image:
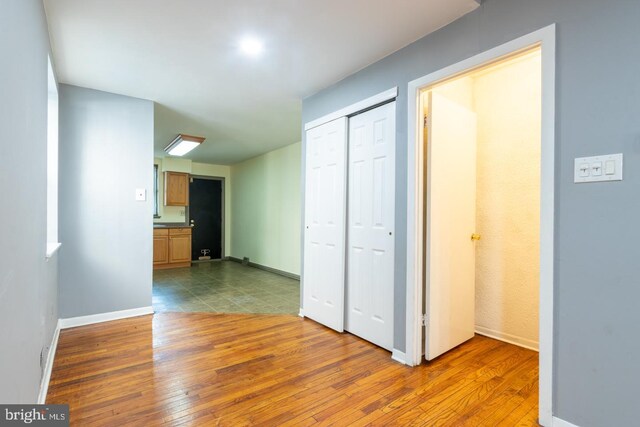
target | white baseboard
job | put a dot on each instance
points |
(399, 356)
(72, 322)
(301, 313)
(48, 367)
(557, 422)
(511, 339)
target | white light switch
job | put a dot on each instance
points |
(610, 167)
(598, 168)
(141, 194)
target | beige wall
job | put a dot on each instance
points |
(176, 214)
(266, 209)
(508, 103)
(460, 90)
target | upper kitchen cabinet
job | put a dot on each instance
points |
(176, 189)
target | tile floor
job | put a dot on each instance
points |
(224, 287)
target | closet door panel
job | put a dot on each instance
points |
(371, 220)
(323, 270)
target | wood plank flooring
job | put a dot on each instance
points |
(213, 369)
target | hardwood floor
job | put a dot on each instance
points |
(278, 370)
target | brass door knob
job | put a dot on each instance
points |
(475, 236)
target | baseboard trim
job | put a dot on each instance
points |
(301, 313)
(511, 339)
(265, 268)
(399, 356)
(73, 322)
(48, 367)
(558, 422)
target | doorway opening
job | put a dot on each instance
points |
(482, 133)
(419, 209)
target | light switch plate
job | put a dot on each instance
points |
(598, 168)
(141, 194)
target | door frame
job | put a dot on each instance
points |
(222, 195)
(545, 39)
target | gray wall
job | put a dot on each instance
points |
(596, 282)
(106, 152)
(28, 283)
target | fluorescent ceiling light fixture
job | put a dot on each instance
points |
(182, 144)
(251, 46)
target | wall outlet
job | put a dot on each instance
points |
(182, 212)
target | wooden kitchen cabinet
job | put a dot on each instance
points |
(160, 246)
(176, 189)
(171, 247)
(179, 245)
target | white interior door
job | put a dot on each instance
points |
(325, 216)
(370, 234)
(451, 220)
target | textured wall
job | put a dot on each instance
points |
(266, 209)
(28, 283)
(507, 103)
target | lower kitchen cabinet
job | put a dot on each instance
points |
(160, 247)
(171, 247)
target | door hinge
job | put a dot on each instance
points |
(423, 320)
(426, 121)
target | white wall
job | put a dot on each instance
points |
(508, 106)
(106, 255)
(28, 283)
(266, 209)
(176, 214)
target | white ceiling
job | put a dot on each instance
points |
(183, 54)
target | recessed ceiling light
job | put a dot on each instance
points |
(251, 46)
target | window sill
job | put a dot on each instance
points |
(52, 248)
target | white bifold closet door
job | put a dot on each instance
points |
(325, 216)
(371, 220)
